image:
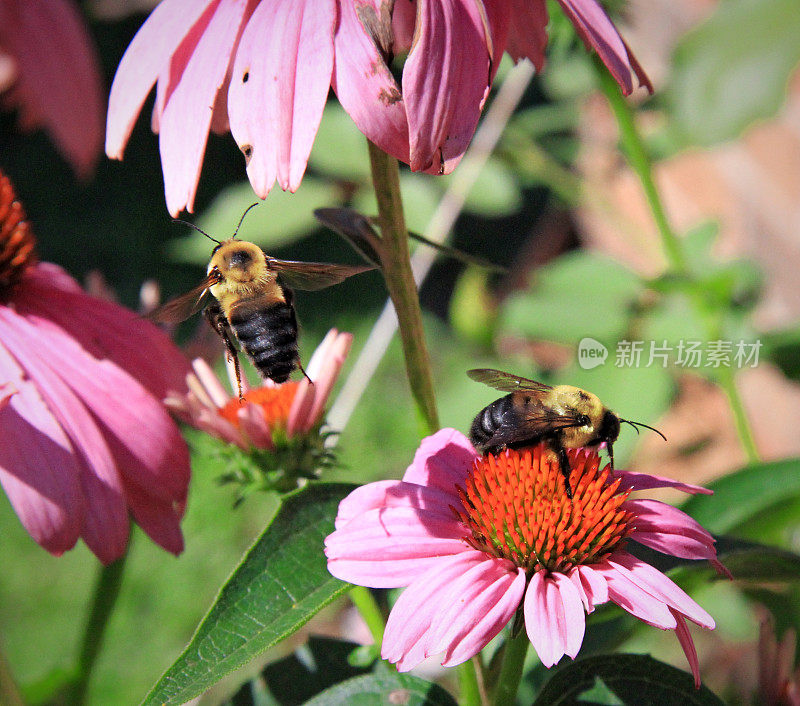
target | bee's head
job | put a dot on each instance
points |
(609, 427)
(238, 260)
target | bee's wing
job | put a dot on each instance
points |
(506, 382)
(313, 275)
(540, 422)
(184, 306)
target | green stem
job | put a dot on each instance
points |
(396, 262)
(470, 690)
(366, 604)
(639, 159)
(728, 383)
(105, 597)
(516, 649)
(9, 691)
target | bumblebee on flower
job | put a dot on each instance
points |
(475, 538)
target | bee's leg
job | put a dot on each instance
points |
(610, 448)
(219, 323)
(563, 462)
(303, 370)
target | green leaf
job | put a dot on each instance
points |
(733, 69)
(280, 584)
(310, 669)
(783, 348)
(632, 679)
(579, 295)
(388, 688)
(740, 496)
(280, 220)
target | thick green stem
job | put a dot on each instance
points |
(469, 686)
(639, 159)
(105, 598)
(516, 649)
(396, 261)
(369, 609)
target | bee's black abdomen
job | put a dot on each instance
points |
(489, 420)
(269, 337)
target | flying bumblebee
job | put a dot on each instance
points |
(250, 299)
(563, 417)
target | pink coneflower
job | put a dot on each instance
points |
(263, 68)
(84, 438)
(282, 420)
(475, 538)
(49, 72)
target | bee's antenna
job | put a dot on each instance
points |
(636, 426)
(252, 205)
(199, 230)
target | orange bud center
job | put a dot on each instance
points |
(516, 506)
(17, 244)
(275, 401)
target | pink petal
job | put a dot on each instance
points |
(685, 638)
(676, 545)
(279, 87)
(591, 586)
(554, 618)
(483, 606)
(145, 58)
(58, 75)
(393, 493)
(528, 32)
(636, 601)
(325, 378)
(645, 481)
(667, 529)
(38, 468)
(160, 519)
(404, 18)
(598, 31)
(253, 422)
(159, 457)
(445, 81)
(196, 73)
(443, 460)
(105, 528)
(408, 636)
(365, 86)
(104, 329)
(650, 579)
(389, 547)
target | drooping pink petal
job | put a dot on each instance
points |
(527, 37)
(484, 607)
(650, 579)
(364, 84)
(554, 618)
(404, 18)
(685, 638)
(58, 81)
(160, 519)
(283, 66)
(635, 600)
(104, 329)
(443, 106)
(598, 31)
(145, 58)
(390, 547)
(393, 493)
(123, 408)
(253, 423)
(645, 481)
(669, 530)
(39, 471)
(442, 461)
(591, 587)
(408, 637)
(197, 71)
(105, 528)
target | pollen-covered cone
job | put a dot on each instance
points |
(84, 438)
(277, 426)
(474, 538)
(263, 69)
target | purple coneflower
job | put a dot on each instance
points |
(475, 538)
(84, 438)
(263, 68)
